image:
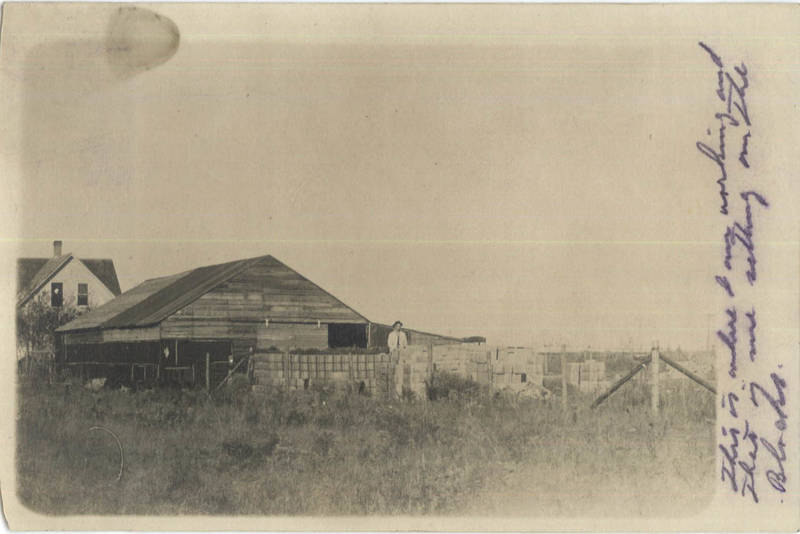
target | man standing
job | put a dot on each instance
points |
(398, 342)
(397, 338)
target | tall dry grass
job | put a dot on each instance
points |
(326, 452)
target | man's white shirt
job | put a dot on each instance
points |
(397, 340)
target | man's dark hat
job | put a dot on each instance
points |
(397, 323)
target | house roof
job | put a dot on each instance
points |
(32, 273)
(45, 273)
(27, 269)
(104, 270)
(156, 299)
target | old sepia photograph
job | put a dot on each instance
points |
(400, 266)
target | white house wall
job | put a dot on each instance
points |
(70, 276)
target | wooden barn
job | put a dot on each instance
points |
(177, 326)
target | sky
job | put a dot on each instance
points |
(497, 173)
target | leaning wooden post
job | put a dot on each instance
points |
(654, 364)
(619, 383)
(208, 371)
(688, 373)
(564, 377)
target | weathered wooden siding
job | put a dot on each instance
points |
(237, 310)
(126, 335)
(268, 290)
(292, 336)
(204, 328)
(75, 338)
(129, 335)
(247, 334)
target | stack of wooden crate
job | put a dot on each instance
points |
(588, 376)
(466, 360)
(364, 372)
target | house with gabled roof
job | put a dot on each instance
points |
(65, 280)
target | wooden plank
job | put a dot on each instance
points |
(81, 338)
(270, 289)
(131, 334)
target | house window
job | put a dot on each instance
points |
(56, 294)
(524, 378)
(83, 294)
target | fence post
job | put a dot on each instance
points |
(288, 356)
(654, 364)
(208, 372)
(564, 377)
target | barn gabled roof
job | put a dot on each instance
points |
(97, 317)
(154, 300)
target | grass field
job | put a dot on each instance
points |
(319, 452)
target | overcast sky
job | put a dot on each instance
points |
(502, 174)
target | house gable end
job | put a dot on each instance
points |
(70, 273)
(51, 267)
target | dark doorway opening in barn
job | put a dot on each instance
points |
(347, 335)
